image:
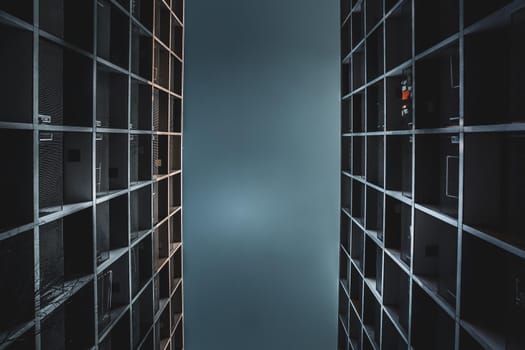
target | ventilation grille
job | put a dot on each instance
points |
(50, 171)
(156, 110)
(50, 88)
(157, 160)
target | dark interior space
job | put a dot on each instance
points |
(90, 145)
(432, 171)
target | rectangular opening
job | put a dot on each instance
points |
(65, 86)
(372, 318)
(78, 244)
(112, 227)
(161, 66)
(16, 69)
(498, 97)
(399, 35)
(140, 212)
(64, 170)
(399, 97)
(357, 249)
(438, 86)
(51, 170)
(356, 289)
(112, 292)
(112, 98)
(346, 115)
(141, 268)
(358, 112)
(18, 295)
(375, 159)
(358, 68)
(175, 153)
(65, 255)
(156, 284)
(374, 13)
(160, 201)
(432, 328)
(71, 21)
(375, 53)
(176, 308)
(140, 158)
(175, 192)
(142, 317)
(52, 274)
(344, 275)
(435, 21)
(162, 22)
(111, 165)
(345, 232)
(160, 110)
(17, 178)
(141, 47)
(160, 155)
(358, 202)
(396, 296)
(177, 38)
(437, 173)
(374, 212)
(141, 105)
(358, 159)
(176, 270)
(176, 114)
(346, 154)
(164, 291)
(175, 231)
(375, 112)
(346, 79)
(435, 256)
(346, 38)
(398, 232)
(161, 247)
(346, 193)
(374, 265)
(112, 34)
(494, 202)
(399, 165)
(176, 75)
(161, 288)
